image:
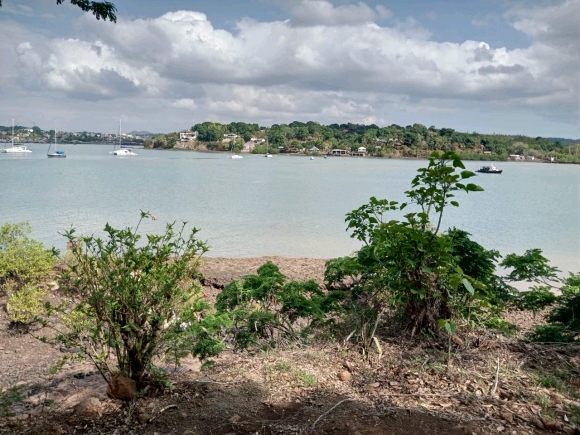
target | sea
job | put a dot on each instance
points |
(281, 206)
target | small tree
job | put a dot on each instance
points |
(138, 301)
(408, 265)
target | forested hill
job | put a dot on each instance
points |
(392, 141)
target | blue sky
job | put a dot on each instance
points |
(489, 66)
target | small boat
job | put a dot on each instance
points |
(311, 158)
(15, 148)
(122, 150)
(235, 156)
(267, 149)
(56, 154)
(489, 170)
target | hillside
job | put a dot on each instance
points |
(414, 140)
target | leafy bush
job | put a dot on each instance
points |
(408, 266)
(10, 397)
(137, 301)
(24, 263)
(23, 259)
(265, 308)
(564, 317)
(25, 305)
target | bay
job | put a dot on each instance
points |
(285, 205)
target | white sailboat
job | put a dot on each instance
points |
(121, 151)
(56, 153)
(234, 156)
(267, 149)
(15, 148)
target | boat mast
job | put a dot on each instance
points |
(119, 133)
(12, 132)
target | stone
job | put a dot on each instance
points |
(235, 418)
(143, 417)
(507, 416)
(538, 423)
(375, 385)
(345, 376)
(89, 406)
(122, 387)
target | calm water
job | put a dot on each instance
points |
(289, 206)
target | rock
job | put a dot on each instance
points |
(569, 430)
(143, 418)
(345, 376)
(457, 340)
(235, 418)
(122, 387)
(507, 416)
(375, 385)
(538, 423)
(394, 383)
(348, 365)
(500, 428)
(552, 425)
(90, 406)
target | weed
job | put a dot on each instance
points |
(283, 367)
(543, 400)
(308, 380)
(10, 397)
(549, 380)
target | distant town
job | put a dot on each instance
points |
(37, 135)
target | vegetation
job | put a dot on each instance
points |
(392, 141)
(138, 301)
(265, 309)
(24, 264)
(101, 10)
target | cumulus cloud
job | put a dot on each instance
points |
(323, 12)
(334, 62)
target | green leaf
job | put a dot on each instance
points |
(468, 286)
(454, 203)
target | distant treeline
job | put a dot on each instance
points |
(414, 140)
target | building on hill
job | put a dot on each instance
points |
(338, 152)
(187, 136)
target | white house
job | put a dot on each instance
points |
(187, 136)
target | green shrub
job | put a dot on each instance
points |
(24, 264)
(137, 301)
(264, 308)
(564, 317)
(25, 305)
(407, 265)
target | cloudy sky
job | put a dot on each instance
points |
(486, 65)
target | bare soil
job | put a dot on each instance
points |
(492, 384)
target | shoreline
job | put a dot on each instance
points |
(359, 157)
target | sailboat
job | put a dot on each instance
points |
(267, 149)
(56, 154)
(121, 151)
(15, 148)
(235, 156)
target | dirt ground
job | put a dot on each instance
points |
(489, 387)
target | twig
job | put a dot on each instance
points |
(161, 412)
(348, 399)
(496, 379)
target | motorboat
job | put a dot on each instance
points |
(236, 156)
(311, 158)
(489, 170)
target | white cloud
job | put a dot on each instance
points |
(323, 12)
(184, 103)
(327, 62)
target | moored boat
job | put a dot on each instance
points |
(489, 170)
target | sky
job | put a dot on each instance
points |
(491, 66)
